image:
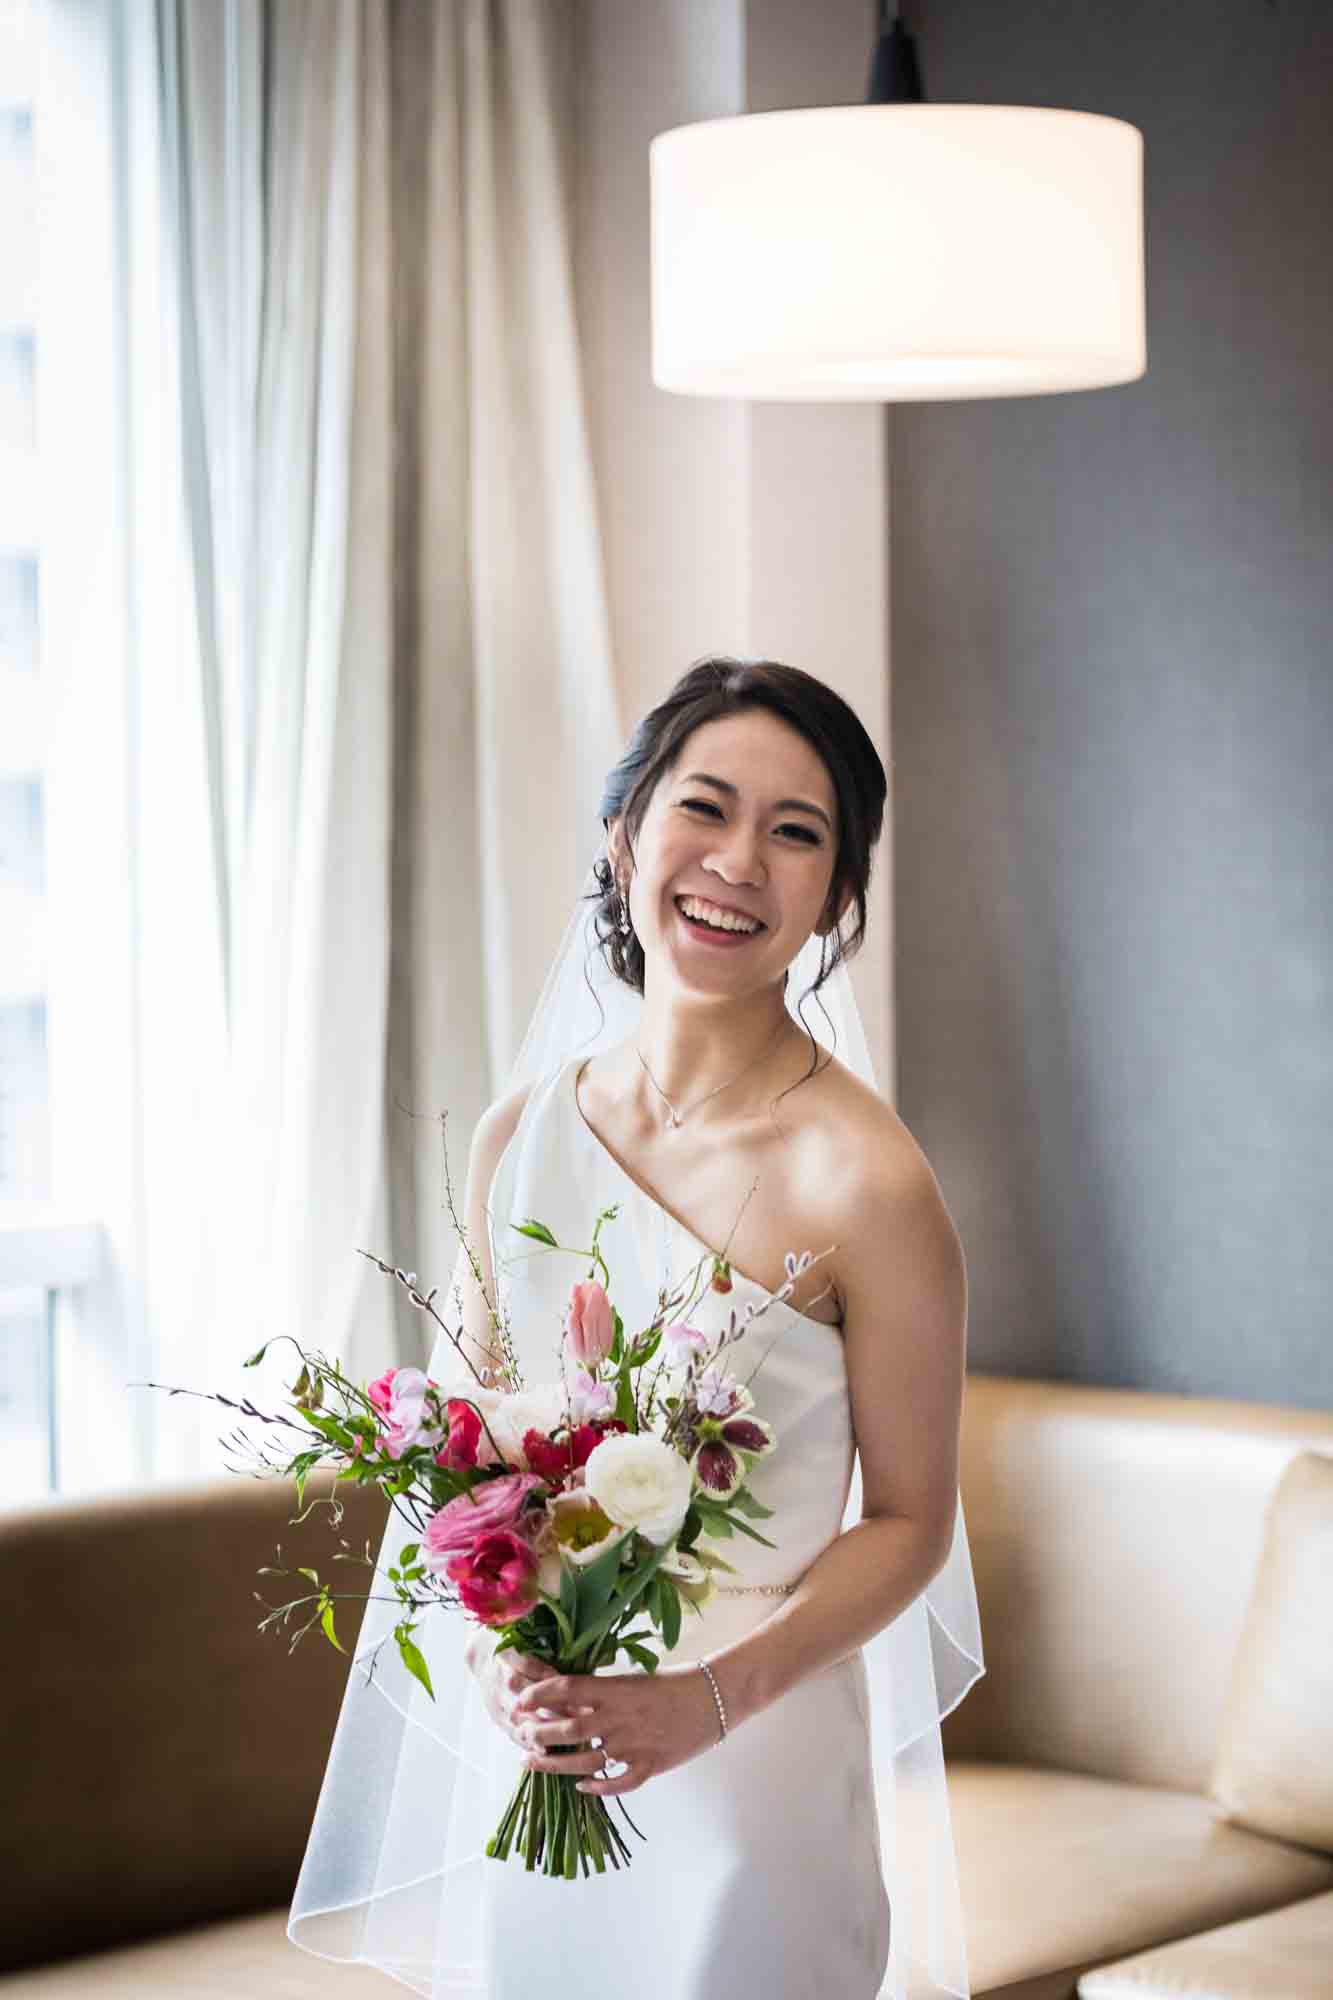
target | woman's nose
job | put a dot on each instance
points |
(735, 855)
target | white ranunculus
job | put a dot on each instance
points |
(641, 1483)
(509, 1416)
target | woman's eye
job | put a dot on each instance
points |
(789, 826)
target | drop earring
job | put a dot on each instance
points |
(623, 924)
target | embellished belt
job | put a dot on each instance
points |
(757, 1589)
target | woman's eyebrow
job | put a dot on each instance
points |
(779, 805)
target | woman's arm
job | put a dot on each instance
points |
(491, 1135)
(902, 1275)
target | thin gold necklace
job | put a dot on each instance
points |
(675, 1117)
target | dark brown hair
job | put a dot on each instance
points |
(721, 685)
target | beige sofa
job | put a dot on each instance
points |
(1149, 1569)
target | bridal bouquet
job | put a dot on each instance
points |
(560, 1514)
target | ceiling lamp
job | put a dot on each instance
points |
(897, 251)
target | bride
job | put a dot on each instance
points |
(783, 1762)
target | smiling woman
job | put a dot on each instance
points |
(784, 1758)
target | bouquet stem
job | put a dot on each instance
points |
(557, 1828)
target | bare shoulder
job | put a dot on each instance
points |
(902, 1278)
(498, 1124)
(880, 1200)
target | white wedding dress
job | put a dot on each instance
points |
(769, 1863)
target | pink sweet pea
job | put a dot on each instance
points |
(400, 1397)
(496, 1578)
(460, 1523)
(590, 1326)
(381, 1390)
(682, 1340)
(589, 1399)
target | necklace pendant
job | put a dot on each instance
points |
(672, 1118)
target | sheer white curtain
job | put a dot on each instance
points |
(373, 690)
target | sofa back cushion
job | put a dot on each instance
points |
(1114, 1536)
(163, 1756)
(1274, 1765)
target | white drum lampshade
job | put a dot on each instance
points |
(897, 253)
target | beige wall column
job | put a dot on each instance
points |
(729, 526)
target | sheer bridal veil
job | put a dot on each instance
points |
(413, 1788)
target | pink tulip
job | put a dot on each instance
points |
(590, 1327)
(496, 1579)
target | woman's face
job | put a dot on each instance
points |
(760, 838)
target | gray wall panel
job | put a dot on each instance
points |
(1112, 717)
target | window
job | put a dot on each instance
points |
(26, 1309)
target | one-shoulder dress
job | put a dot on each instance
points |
(762, 1868)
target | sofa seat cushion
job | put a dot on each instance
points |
(1287, 1952)
(1060, 1872)
(214, 1961)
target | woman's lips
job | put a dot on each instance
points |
(726, 940)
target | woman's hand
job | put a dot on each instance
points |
(652, 1722)
(503, 1677)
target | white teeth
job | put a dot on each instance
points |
(718, 920)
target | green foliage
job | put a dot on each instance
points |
(537, 1231)
(644, 1348)
(598, 1580)
(626, 1595)
(669, 1598)
(562, 1620)
(412, 1657)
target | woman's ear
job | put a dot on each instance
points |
(615, 848)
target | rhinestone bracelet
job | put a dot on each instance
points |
(717, 1698)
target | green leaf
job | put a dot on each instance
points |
(753, 1533)
(641, 1654)
(625, 1396)
(313, 1574)
(627, 1594)
(712, 1560)
(332, 1428)
(557, 1611)
(644, 1348)
(536, 1230)
(598, 1580)
(408, 1553)
(670, 1598)
(743, 1499)
(326, 1620)
(569, 1591)
(413, 1661)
